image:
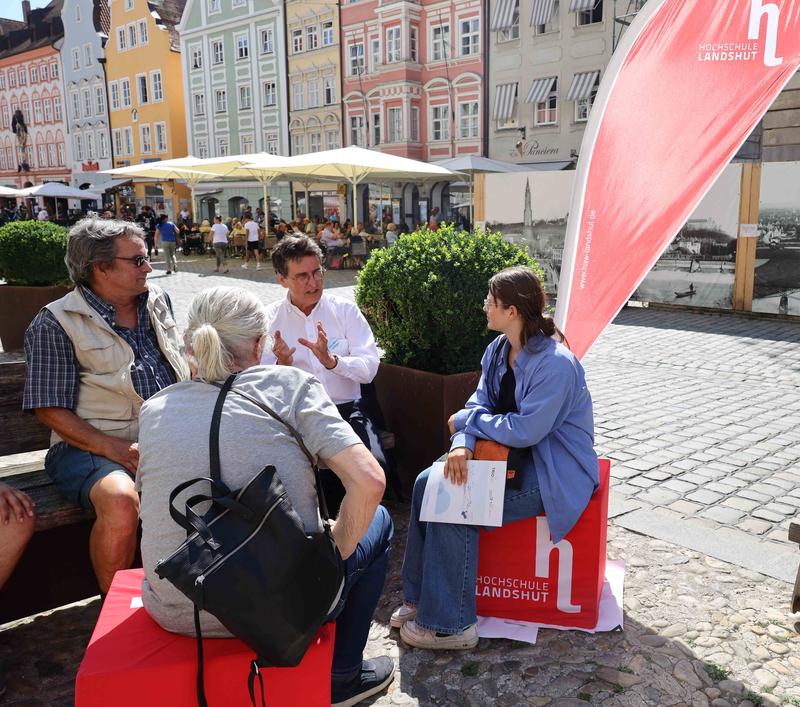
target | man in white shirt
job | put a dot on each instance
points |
(43, 215)
(220, 243)
(253, 241)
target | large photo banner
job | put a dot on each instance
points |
(684, 89)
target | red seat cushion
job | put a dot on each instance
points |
(131, 661)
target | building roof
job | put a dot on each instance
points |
(43, 28)
(101, 17)
(168, 14)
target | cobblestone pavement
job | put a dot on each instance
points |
(699, 414)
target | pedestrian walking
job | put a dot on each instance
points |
(168, 234)
(220, 243)
(253, 240)
(147, 221)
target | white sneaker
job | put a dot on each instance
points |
(258, 267)
(244, 266)
(419, 637)
(403, 613)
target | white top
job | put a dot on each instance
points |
(43, 215)
(252, 231)
(349, 337)
(220, 233)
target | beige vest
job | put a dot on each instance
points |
(107, 399)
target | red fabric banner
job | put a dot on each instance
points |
(684, 89)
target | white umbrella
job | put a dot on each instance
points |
(356, 165)
(8, 192)
(56, 190)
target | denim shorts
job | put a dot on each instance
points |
(75, 471)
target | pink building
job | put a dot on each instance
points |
(413, 83)
(31, 86)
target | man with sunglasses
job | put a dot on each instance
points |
(94, 356)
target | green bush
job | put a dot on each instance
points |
(32, 253)
(423, 297)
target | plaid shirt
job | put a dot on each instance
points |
(53, 368)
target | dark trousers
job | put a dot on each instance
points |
(150, 238)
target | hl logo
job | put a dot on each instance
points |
(544, 547)
(757, 10)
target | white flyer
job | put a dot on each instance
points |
(477, 502)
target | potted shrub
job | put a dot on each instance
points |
(32, 265)
(423, 299)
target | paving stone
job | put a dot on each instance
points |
(621, 471)
(685, 507)
(780, 508)
(726, 516)
(764, 514)
(641, 482)
(742, 504)
(703, 496)
(755, 526)
(680, 487)
(658, 496)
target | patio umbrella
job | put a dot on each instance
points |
(356, 165)
(8, 192)
(56, 190)
(472, 165)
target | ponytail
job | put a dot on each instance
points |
(214, 362)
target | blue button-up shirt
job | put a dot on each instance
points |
(53, 369)
(554, 419)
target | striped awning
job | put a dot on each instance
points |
(582, 85)
(503, 15)
(582, 5)
(504, 98)
(542, 12)
(540, 90)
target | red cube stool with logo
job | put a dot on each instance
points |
(523, 576)
(131, 661)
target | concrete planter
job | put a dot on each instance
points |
(19, 305)
(416, 406)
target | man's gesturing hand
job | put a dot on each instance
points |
(14, 503)
(282, 352)
(320, 348)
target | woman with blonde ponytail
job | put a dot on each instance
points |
(532, 398)
(226, 336)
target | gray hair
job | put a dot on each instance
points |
(223, 323)
(94, 241)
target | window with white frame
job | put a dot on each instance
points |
(297, 96)
(223, 146)
(122, 43)
(220, 100)
(247, 144)
(116, 136)
(75, 105)
(133, 40)
(197, 57)
(90, 152)
(356, 59)
(76, 59)
(214, 6)
(26, 111)
(142, 90)
(6, 116)
(440, 123)
(468, 119)
(102, 144)
(60, 149)
(201, 147)
(470, 36)
(332, 139)
(2, 82)
(552, 24)
(48, 110)
(357, 135)
(157, 85)
(245, 97)
(329, 91)
(145, 138)
(199, 100)
(217, 52)
(87, 55)
(161, 137)
(57, 108)
(37, 112)
(314, 140)
(312, 38)
(99, 100)
(51, 155)
(42, 150)
(297, 41)
(127, 138)
(392, 45)
(413, 44)
(270, 93)
(12, 79)
(143, 38)
(271, 141)
(414, 124)
(327, 34)
(546, 112)
(510, 33)
(86, 95)
(584, 105)
(239, 3)
(128, 5)
(267, 41)
(313, 93)
(374, 54)
(591, 17)
(3, 166)
(440, 42)
(125, 91)
(242, 47)
(23, 76)
(113, 88)
(298, 144)
(43, 73)
(376, 129)
(395, 118)
(34, 75)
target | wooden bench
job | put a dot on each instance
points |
(55, 568)
(794, 537)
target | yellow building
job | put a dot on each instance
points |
(315, 107)
(143, 70)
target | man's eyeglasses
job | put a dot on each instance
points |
(304, 278)
(137, 260)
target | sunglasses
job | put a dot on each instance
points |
(137, 260)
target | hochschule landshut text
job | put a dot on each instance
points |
(728, 51)
(512, 588)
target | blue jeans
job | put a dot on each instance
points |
(440, 568)
(365, 572)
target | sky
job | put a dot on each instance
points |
(12, 9)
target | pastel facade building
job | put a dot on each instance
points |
(143, 70)
(87, 25)
(234, 66)
(31, 86)
(413, 83)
